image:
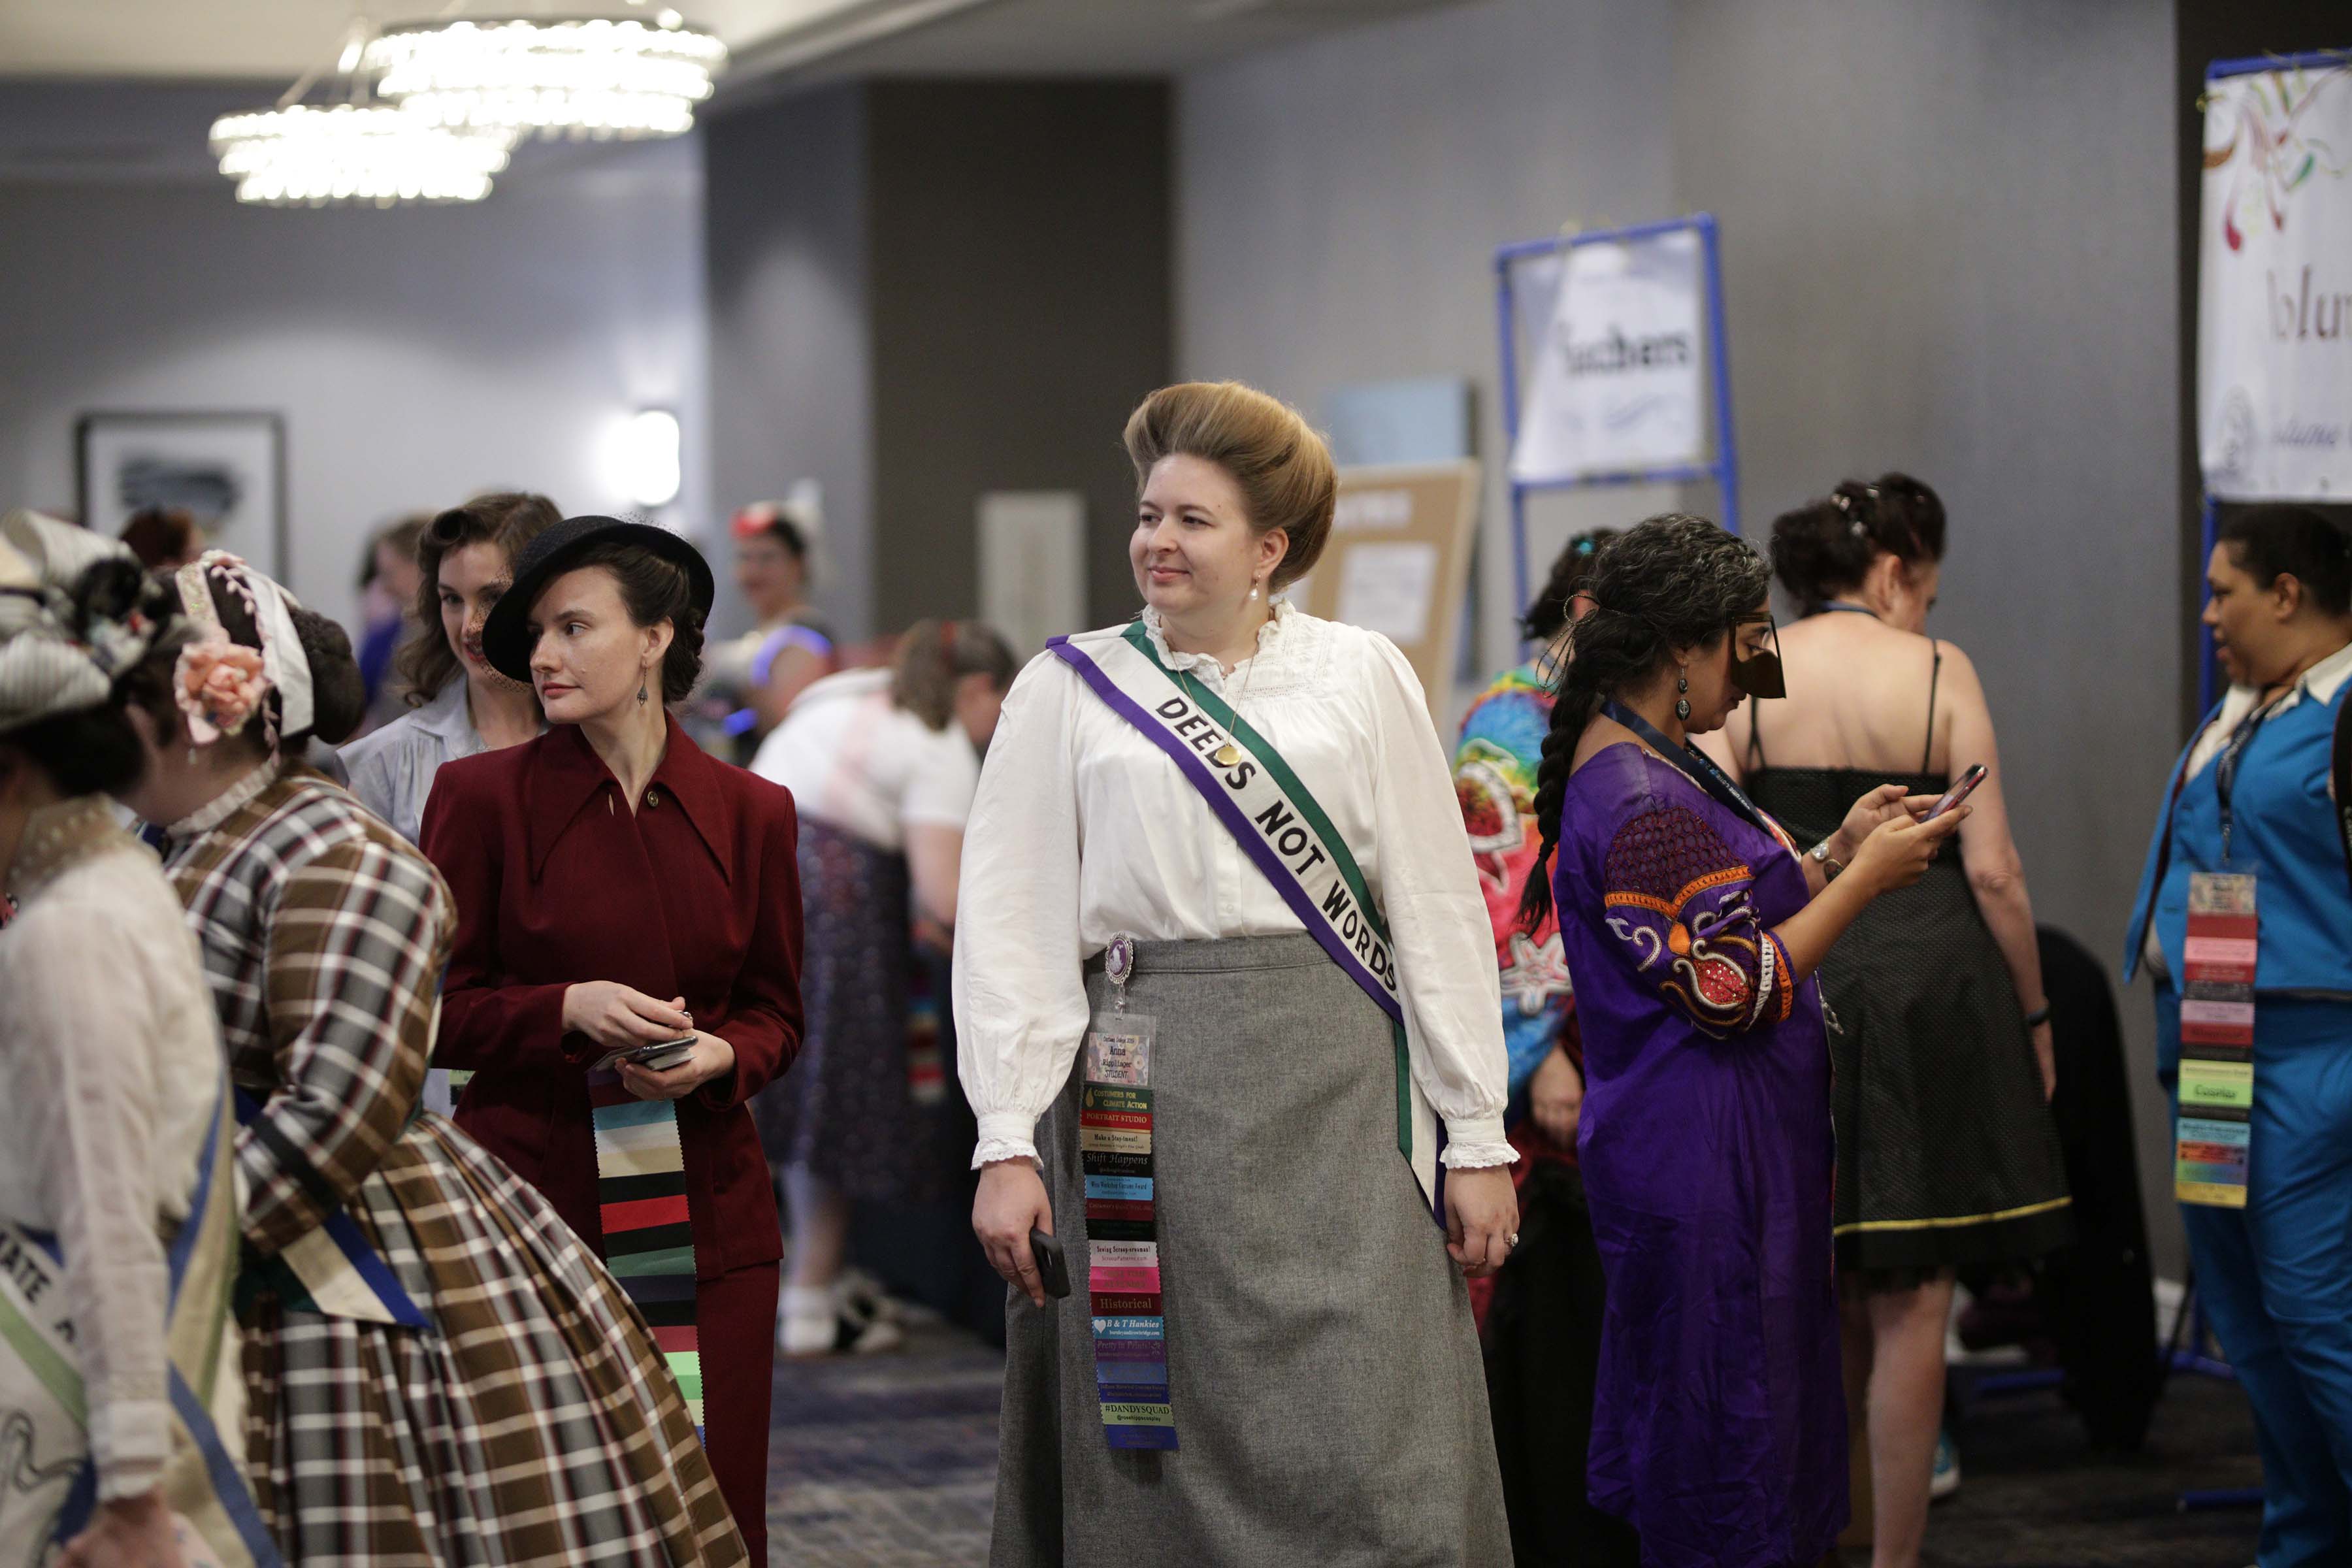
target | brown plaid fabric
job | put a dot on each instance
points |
(536, 1422)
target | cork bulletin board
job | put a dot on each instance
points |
(1398, 562)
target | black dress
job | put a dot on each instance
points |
(1947, 1153)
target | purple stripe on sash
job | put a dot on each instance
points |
(1253, 844)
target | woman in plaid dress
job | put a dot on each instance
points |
(438, 1372)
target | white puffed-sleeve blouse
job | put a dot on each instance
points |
(114, 1075)
(1082, 829)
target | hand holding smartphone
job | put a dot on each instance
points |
(1959, 792)
(1053, 1268)
(655, 1058)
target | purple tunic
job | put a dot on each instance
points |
(1719, 1422)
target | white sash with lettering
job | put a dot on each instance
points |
(1285, 832)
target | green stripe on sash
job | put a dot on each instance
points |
(63, 1382)
(1342, 858)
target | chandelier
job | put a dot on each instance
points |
(299, 155)
(581, 77)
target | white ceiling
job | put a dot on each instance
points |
(265, 39)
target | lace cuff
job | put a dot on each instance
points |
(130, 1441)
(1478, 1156)
(991, 1150)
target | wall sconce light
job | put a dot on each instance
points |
(647, 457)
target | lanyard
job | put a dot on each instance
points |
(2225, 771)
(1698, 765)
(1842, 607)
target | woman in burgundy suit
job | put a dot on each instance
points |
(618, 892)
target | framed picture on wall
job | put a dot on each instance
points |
(226, 469)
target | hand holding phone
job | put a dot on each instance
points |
(1959, 792)
(1053, 1268)
(655, 1058)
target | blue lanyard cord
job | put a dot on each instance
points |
(1842, 607)
(2225, 771)
(1698, 765)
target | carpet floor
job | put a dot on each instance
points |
(889, 1461)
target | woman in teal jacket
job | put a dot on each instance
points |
(2256, 792)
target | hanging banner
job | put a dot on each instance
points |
(2275, 287)
(1615, 383)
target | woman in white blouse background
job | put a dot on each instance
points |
(1323, 1373)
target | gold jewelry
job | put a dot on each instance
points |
(1230, 755)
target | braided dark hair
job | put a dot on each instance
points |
(1671, 581)
(1824, 548)
(1548, 613)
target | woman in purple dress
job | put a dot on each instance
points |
(1693, 925)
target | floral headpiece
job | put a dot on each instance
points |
(219, 683)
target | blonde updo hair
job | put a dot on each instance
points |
(1281, 466)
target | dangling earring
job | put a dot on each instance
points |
(1682, 684)
(641, 686)
(1253, 588)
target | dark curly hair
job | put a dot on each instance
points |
(1548, 611)
(1670, 581)
(1824, 548)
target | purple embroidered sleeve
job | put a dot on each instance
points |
(1680, 903)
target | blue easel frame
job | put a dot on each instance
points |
(2208, 668)
(1724, 470)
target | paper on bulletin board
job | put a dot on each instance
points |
(1398, 562)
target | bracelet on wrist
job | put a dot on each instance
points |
(2038, 1017)
(1830, 864)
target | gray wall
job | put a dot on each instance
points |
(418, 354)
(1950, 248)
(1020, 273)
(924, 290)
(791, 366)
(1340, 201)
(1948, 237)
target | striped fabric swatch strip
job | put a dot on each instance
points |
(648, 1234)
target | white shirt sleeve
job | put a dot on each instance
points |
(1445, 947)
(945, 777)
(1019, 987)
(84, 1022)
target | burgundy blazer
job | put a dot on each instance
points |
(697, 895)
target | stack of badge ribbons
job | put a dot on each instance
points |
(648, 1231)
(2217, 1041)
(1123, 1237)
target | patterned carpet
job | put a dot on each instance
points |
(891, 1462)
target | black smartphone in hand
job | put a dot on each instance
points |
(1053, 1268)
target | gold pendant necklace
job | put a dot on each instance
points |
(1230, 753)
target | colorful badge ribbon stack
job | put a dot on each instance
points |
(1123, 1232)
(648, 1238)
(2217, 1041)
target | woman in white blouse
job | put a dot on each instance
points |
(1237, 1206)
(114, 1080)
(882, 764)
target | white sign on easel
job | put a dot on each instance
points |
(1616, 383)
(2275, 287)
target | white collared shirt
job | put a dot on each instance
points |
(1082, 830)
(2319, 683)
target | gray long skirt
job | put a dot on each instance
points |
(1323, 1370)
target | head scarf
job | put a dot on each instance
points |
(47, 665)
